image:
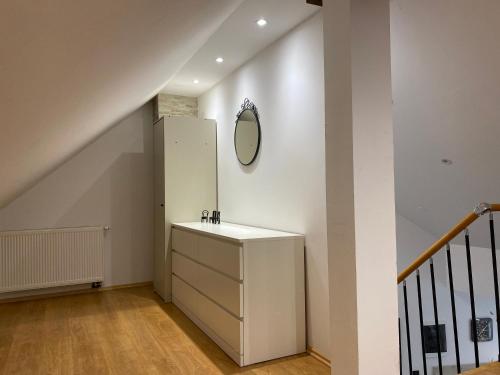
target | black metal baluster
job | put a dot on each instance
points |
(421, 316)
(400, 359)
(471, 293)
(408, 339)
(436, 318)
(495, 278)
(453, 309)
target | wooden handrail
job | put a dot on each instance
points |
(439, 244)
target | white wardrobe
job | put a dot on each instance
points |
(185, 183)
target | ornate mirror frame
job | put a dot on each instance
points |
(248, 106)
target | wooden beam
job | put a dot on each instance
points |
(315, 2)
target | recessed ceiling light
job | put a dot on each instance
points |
(196, 81)
(220, 60)
(262, 22)
(446, 161)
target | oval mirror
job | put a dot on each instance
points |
(247, 133)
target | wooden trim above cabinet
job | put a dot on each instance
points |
(315, 2)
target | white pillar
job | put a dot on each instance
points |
(360, 188)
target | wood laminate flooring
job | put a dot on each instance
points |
(126, 331)
(491, 369)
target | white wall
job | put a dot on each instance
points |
(412, 240)
(361, 219)
(285, 187)
(110, 182)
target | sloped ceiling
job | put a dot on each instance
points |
(238, 40)
(70, 69)
(446, 91)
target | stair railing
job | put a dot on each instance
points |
(426, 256)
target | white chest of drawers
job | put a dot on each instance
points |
(243, 286)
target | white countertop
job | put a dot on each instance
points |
(235, 231)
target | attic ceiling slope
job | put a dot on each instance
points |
(71, 69)
(237, 41)
(446, 90)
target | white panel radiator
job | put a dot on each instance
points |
(52, 257)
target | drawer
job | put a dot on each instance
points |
(185, 295)
(185, 242)
(224, 325)
(225, 291)
(223, 256)
(185, 268)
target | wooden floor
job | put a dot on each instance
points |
(492, 369)
(128, 331)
